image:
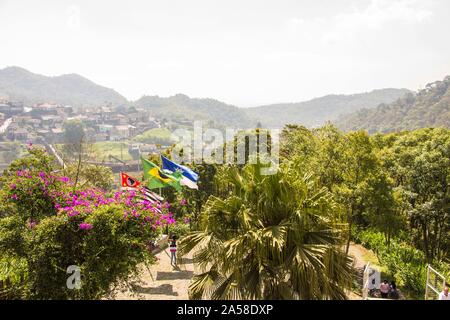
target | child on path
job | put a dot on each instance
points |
(173, 251)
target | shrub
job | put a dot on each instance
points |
(179, 229)
(47, 225)
(106, 247)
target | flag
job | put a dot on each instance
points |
(189, 178)
(158, 179)
(188, 183)
(129, 182)
(151, 196)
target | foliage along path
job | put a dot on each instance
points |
(161, 281)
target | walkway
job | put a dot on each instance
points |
(162, 281)
(359, 255)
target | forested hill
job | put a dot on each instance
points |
(429, 107)
(316, 112)
(19, 84)
(183, 107)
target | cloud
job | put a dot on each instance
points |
(347, 26)
(377, 15)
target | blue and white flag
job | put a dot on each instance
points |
(190, 177)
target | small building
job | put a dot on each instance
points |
(105, 128)
(124, 131)
(18, 134)
(98, 137)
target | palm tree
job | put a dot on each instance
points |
(268, 237)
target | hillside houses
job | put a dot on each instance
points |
(47, 120)
(10, 109)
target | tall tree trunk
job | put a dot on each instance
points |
(425, 242)
(79, 165)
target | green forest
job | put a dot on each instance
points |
(429, 107)
(389, 192)
(252, 236)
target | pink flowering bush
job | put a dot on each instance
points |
(49, 225)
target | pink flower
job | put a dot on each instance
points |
(183, 202)
(14, 196)
(73, 213)
(31, 224)
(85, 226)
(13, 186)
(21, 173)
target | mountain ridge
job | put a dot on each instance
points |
(317, 111)
(20, 84)
(429, 107)
(78, 91)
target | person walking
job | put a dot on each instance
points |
(384, 289)
(173, 251)
(393, 292)
(444, 294)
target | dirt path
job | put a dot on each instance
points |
(359, 254)
(165, 282)
(161, 281)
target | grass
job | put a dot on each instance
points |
(100, 151)
(155, 135)
(117, 149)
(370, 257)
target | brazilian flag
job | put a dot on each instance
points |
(156, 178)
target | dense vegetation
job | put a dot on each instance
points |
(254, 236)
(49, 221)
(427, 108)
(392, 188)
(268, 237)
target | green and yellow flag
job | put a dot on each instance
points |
(156, 178)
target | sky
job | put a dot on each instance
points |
(242, 52)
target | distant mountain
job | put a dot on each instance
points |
(21, 85)
(182, 107)
(427, 108)
(71, 89)
(320, 110)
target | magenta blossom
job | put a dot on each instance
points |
(183, 202)
(64, 179)
(73, 213)
(32, 224)
(14, 196)
(85, 226)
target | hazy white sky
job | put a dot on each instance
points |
(243, 52)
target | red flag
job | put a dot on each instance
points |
(129, 182)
